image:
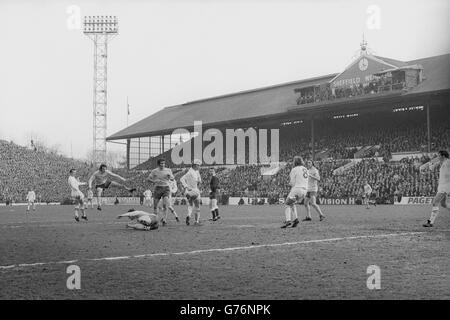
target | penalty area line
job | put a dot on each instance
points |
(164, 254)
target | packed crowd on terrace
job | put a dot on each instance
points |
(22, 168)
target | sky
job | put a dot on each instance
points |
(171, 52)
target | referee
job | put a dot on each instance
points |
(214, 186)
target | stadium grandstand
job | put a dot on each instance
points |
(378, 115)
(376, 107)
(379, 120)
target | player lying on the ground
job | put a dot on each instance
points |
(144, 220)
(214, 186)
(299, 184)
(77, 195)
(161, 177)
(31, 198)
(313, 187)
(443, 190)
(102, 181)
(190, 183)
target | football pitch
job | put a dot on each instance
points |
(244, 255)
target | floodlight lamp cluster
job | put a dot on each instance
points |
(100, 24)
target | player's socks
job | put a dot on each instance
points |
(434, 214)
(188, 220)
(197, 216)
(213, 213)
(174, 213)
(165, 215)
(217, 214)
(294, 212)
(287, 213)
(308, 212)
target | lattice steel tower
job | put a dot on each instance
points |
(100, 29)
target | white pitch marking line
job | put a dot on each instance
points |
(149, 255)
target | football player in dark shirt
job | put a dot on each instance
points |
(214, 186)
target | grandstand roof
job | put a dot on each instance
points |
(266, 102)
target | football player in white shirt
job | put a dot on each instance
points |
(31, 198)
(90, 197)
(313, 188)
(190, 183)
(148, 200)
(144, 220)
(101, 176)
(299, 184)
(77, 195)
(367, 194)
(443, 190)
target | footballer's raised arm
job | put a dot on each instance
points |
(171, 177)
(116, 175)
(151, 177)
(132, 215)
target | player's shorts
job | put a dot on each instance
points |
(366, 195)
(193, 194)
(297, 193)
(213, 194)
(77, 197)
(103, 185)
(310, 194)
(444, 189)
(161, 192)
(31, 201)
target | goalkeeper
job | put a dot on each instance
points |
(144, 221)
